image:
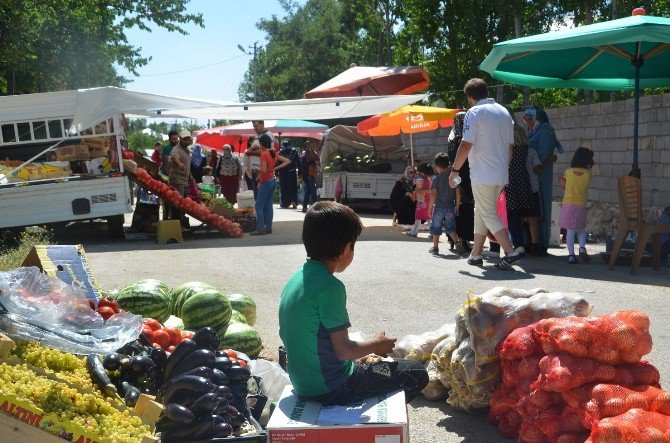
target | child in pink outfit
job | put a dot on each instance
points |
(422, 196)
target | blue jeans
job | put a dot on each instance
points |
(264, 202)
(443, 216)
(310, 193)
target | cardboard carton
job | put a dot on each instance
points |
(72, 153)
(97, 151)
(381, 419)
(67, 263)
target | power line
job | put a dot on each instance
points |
(194, 68)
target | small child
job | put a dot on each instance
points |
(575, 182)
(421, 196)
(314, 322)
(207, 178)
(442, 200)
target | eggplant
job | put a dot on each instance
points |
(124, 362)
(99, 375)
(201, 357)
(159, 357)
(222, 405)
(130, 394)
(219, 377)
(238, 420)
(139, 363)
(239, 390)
(184, 348)
(238, 373)
(206, 338)
(223, 391)
(201, 371)
(112, 361)
(223, 363)
(222, 430)
(205, 404)
(154, 372)
(232, 411)
(198, 430)
(178, 413)
(189, 384)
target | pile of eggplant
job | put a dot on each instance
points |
(202, 389)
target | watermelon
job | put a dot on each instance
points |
(241, 337)
(246, 305)
(237, 317)
(182, 292)
(209, 307)
(148, 298)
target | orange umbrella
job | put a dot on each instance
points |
(408, 119)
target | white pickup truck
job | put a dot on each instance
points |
(47, 192)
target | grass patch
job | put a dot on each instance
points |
(15, 247)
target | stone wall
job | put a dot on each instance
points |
(607, 129)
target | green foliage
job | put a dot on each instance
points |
(138, 141)
(12, 256)
(69, 44)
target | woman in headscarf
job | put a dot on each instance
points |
(213, 158)
(228, 172)
(198, 162)
(465, 221)
(401, 197)
(542, 138)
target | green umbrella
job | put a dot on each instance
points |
(629, 53)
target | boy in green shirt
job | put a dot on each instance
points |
(313, 321)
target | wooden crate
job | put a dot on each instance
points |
(144, 163)
(17, 431)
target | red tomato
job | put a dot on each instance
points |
(187, 334)
(109, 302)
(153, 324)
(91, 303)
(105, 312)
(242, 363)
(170, 349)
(161, 338)
(231, 353)
(175, 335)
(147, 332)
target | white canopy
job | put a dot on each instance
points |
(91, 106)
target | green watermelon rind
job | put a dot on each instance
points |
(209, 307)
(148, 298)
(183, 292)
(241, 337)
(245, 305)
(238, 317)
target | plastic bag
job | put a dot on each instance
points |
(419, 347)
(597, 401)
(492, 316)
(434, 390)
(44, 309)
(561, 372)
(275, 379)
(635, 425)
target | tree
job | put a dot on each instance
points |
(69, 44)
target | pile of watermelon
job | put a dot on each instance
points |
(186, 204)
(198, 305)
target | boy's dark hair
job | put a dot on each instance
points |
(266, 142)
(442, 160)
(476, 88)
(327, 228)
(425, 168)
(583, 158)
(173, 132)
(259, 122)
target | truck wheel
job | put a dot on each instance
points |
(115, 226)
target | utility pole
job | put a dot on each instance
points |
(255, 47)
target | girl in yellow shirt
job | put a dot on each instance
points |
(575, 182)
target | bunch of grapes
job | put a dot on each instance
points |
(92, 412)
(71, 367)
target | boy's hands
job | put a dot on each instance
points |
(383, 344)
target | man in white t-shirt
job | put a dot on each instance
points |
(488, 140)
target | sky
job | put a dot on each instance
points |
(214, 66)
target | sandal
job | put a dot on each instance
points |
(572, 259)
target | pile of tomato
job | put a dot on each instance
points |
(106, 307)
(163, 337)
(190, 206)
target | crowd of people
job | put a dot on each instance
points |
(261, 168)
(495, 181)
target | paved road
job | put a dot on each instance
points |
(393, 284)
